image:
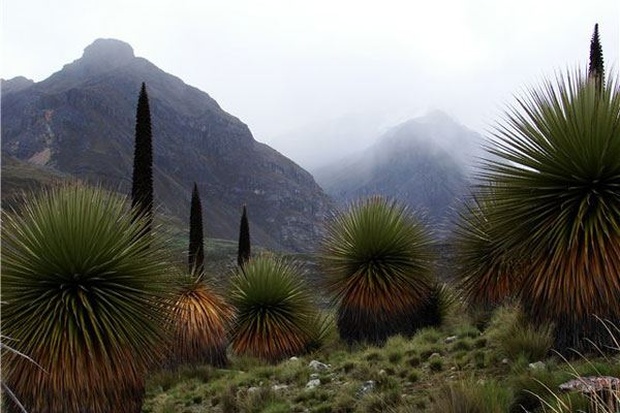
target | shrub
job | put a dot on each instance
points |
(435, 364)
(201, 320)
(516, 337)
(554, 183)
(86, 297)
(486, 274)
(276, 316)
(377, 261)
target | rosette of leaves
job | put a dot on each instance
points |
(556, 190)
(202, 319)
(486, 275)
(275, 314)
(377, 260)
(86, 297)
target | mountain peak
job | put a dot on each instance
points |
(15, 84)
(101, 56)
(109, 52)
(437, 116)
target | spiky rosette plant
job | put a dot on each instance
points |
(201, 319)
(557, 202)
(276, 316)
(486, 275)
(85, 298)
(377, 260)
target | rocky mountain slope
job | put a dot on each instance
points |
(81, 120)
(425, 162)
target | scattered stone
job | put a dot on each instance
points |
(539, 365)
(293, 358)
(367, 387)
(591, 384)
(313, 383)
(253, 389)
(314, 376)
(382, 372)
(600, 390)
(317, 365)
(505, 361)
(277, 387)
(434, 355)
(453, 369)
(450, 339)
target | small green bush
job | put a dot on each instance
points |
(514, 337)
(435, 364)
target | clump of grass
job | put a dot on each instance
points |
(414, 360)
(529, 384)
(435, 364)
(380, 402)
(467, 331)
(515, 337)
(414, 375)
(429, 335)
(478, 358)
(261, 400)
(470, 396)
(373, 356)
(395, 357)
(462, 344)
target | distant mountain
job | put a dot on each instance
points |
(16, 84)
(81, 120)
(425, 162)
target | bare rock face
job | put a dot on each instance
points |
(81, 121)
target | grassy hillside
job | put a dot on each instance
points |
(452, 369)
(19, 177)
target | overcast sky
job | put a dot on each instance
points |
(281, 64)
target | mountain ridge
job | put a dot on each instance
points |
(81, 119)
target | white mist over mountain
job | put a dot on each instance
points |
(283, 66)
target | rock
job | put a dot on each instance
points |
(434, 355)
(313, 383)
(505, 361)
(317, 365)
(367, 387)
(591, 384)
(539, 365)
(293, 358)
(382, 372)
(277, 387)
(253, 389)
(314, 376)
(450, 339)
